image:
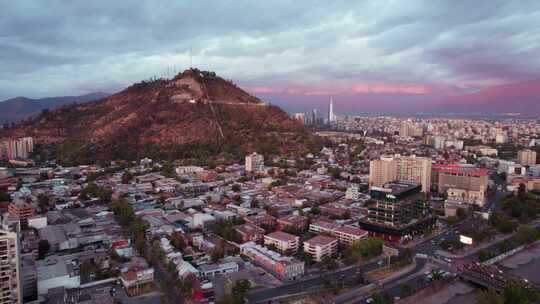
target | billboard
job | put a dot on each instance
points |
(465, 240)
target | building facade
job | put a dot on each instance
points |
(254, 163)
(402, 168)
(527, 157)
(10, 274)
(285, 243)
(397, 211)
(321, 246)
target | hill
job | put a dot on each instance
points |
(18, 108)
(194, 115)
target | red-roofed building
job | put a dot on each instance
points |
(295, 221)
(249, 232)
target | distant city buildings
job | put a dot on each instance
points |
(300, 117)
(17, 148)
(403, 168)
(526, 157)
(331, 114)
(410, 129)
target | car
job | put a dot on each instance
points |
(369, 300)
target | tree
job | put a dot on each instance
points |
(127, 177)
(43, 248)
(489, 297)
(461, 213)
(240, 288)
(216, 254)
(382, 298)
(236, 188)
(522, 191)
(405, 290)
(177, 240)
(4, 197)
(315, 210)
(329, 263)
(43, 201)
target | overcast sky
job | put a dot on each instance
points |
(290, 48)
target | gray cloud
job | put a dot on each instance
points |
(71, 47)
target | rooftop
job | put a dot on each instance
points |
(321, 240)
(282, 236)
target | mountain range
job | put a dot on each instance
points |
(18, 108)
(196, 114)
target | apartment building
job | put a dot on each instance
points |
(19, 148)
(22, 211)
(10, 289)
(285, 243)
(321, 246)
(527, 157)
(403, 168)
(461, 182)
(345, 234)
(254, 163)
(283, 267)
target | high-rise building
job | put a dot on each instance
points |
(314, 117)
(331, 115)
(19, 148)
(401, 168)
(397, 210)
(301, 117)
(410, 129)
(527, 157)
(10, 281)
(254, 162)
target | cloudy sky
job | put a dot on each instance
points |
(296, 53)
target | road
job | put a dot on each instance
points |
(310, 284)
(162, 275)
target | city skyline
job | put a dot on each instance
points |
(373, 56)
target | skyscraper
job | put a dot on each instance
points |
(314, 117)
(331, 115)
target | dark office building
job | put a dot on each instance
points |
(397, 211)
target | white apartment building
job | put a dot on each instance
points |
(10, 289)
(285, 243)
(404, 168)
(321, 246)
(352, 192)
(254, 163)
(345, 234)
(527, 157)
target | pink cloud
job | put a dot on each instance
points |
(350, 89)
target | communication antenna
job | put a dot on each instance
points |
(191, 57)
